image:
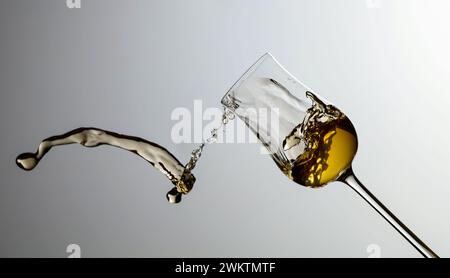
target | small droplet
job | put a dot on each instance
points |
(27, 161)
(173, 196)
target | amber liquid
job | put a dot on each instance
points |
(158, 156)
(330, 143)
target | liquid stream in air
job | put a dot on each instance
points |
(158, 156)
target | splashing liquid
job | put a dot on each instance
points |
(156, 155)
(330, 144)
(159, 157)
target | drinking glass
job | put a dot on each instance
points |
(309, 139)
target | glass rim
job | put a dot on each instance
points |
(252, 69)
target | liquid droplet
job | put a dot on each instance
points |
(27, 161)
(173, 196)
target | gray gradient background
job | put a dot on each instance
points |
(125, 65)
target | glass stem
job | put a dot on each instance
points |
(349, 178)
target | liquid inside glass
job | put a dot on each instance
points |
(329, 141)
(311, 140)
